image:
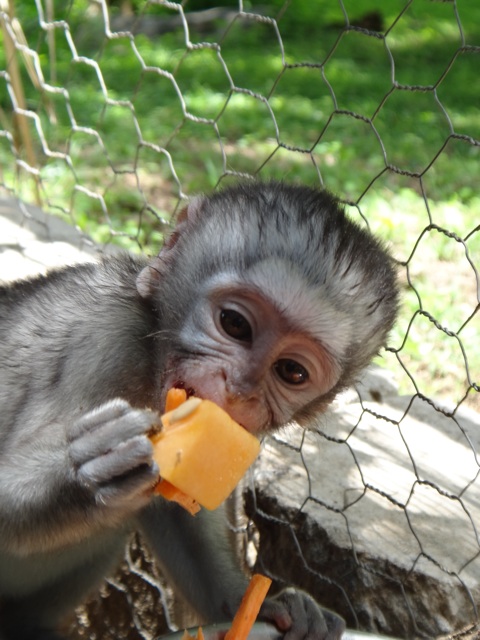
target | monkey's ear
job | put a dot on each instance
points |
(149, 279)
(191, 212)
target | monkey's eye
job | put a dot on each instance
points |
(235, 325)
(290, 371)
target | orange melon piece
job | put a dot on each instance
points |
(203, 452)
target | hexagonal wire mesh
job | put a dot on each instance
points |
(113, 113)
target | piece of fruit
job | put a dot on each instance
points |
(169, 492)
(203, 452)
(249, 607)
(175, 397)
(199, 635)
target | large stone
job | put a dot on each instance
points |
(32, 241)
(374, 511)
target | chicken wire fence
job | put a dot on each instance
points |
(113, 113)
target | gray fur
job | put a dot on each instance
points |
(84, 355)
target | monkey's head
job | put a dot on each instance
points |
(270, 300)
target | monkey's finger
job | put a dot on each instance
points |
(132, 488)
(92, 419)
(336, 625)
(107, 436)
(275, 611)
(300, 617)
(302, 610)
(117, 463)
(114, 412)
(311, 622)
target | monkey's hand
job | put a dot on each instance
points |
(299, 617)
(111, 456)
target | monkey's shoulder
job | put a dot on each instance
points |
(108, 273)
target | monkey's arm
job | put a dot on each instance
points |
(196, 555)
(61, 482)
(74, 458)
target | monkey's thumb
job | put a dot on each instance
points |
(275, 611)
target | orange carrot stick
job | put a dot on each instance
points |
(199, 636)
(170, 492)
(175, 397)
(249, 607)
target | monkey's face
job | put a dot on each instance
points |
(269, 300)
(249, 353)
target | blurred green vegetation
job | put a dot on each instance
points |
(148, 119)
(411, 128)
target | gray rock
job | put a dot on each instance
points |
(374, 511)
(32, 241)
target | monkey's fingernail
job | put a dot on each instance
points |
(283, 622)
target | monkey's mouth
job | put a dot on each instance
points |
(190, 391)
(179, 384)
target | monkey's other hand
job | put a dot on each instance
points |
(111, 455)
(299, 617)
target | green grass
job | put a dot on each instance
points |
(236, 107)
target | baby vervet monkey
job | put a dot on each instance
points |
(265, 299)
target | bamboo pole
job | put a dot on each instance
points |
(22, 135)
